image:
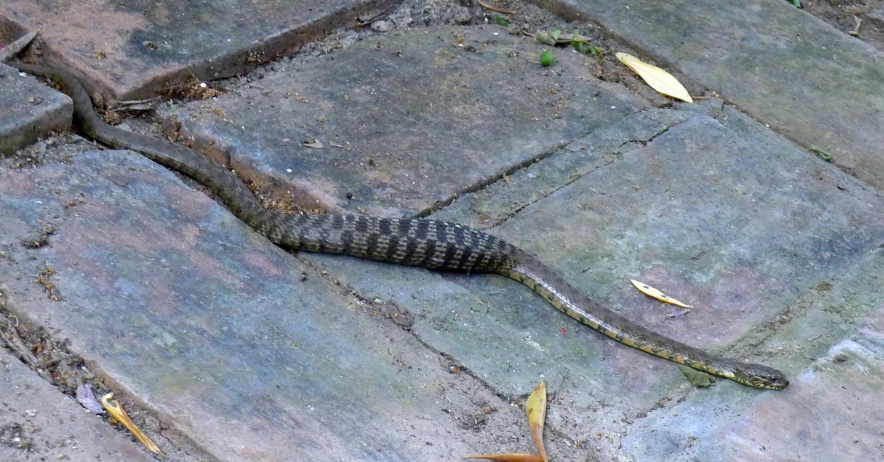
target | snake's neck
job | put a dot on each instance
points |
(564, 297)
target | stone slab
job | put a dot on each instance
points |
(742, 230)
(230, 341)
(806, 79)
(51, 426)
(133, 49)
(830, 412)
(422, 116)
(734, 228)
(29, 110)
(500, 200)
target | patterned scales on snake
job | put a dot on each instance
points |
(418, 242)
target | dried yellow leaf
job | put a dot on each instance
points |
(117, 411)
(657, 78)
(515, 457)
(652, 292)
(536, 409)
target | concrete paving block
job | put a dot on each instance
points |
(37, 422)
(831, 410)
(231, 341)
(29, 110)
(419, 116)
(132, 50)
(500, 200)
(739, 230)
(806, 79)
(733, 228)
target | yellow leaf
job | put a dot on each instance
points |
(657, 78)
(652, 292)
(117, 411)
(536, 409)
(509, 457)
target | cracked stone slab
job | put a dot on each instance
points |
(419, 116)
(739, 229)
(831, 411)
(29, 110)
(230, 341)
(808, 80)
(52, 426)
(498, 201)
(133, 49)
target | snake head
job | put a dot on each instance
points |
(758, 376)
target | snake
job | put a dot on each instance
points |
(433, 244)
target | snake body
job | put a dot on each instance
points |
(417, 242)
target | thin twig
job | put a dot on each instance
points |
(134, 102)
(497, 9)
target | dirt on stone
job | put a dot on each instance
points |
(863, 19)
(527, 20)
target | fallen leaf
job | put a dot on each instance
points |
(336, 145)
(698, 378)
(544, 38)
(582, 45)
(117, 411)
(86, 398)
(313, 144)
(824, 155)
(536, 409)
(652, 292)
(657, 78)
(509, 457)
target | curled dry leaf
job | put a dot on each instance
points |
(657, 78)
(313, 144)
(652, 292)
(86, 398)
(114, 408)
(536, 409)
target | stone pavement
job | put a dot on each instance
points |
(30, 405)
(232, 349)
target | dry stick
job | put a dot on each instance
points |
(855, 31)
(497, 9)
(135, 102)
(14, 342)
